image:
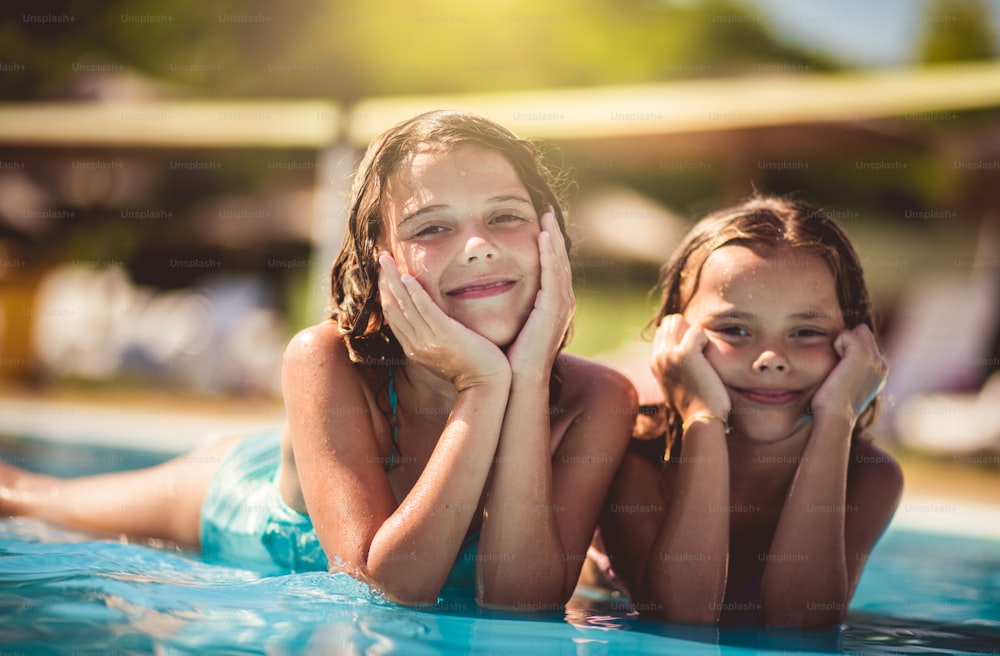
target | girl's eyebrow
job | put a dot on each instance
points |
(423, 210)
(811, 314)
(745, 314)
(509, 197)
(732, 314)
(503, 198)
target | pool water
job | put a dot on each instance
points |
(67, 592)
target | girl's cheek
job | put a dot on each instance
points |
(831, 360)
(411, 260)
(426, 276)
(527, 242)
(820, 361)
(718, 347)
(718, 353)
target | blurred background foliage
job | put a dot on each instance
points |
(348, 51)
(967, 36)
(128, 50)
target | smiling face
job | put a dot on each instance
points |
(770, 316)
(462, 223)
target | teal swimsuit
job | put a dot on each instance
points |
(245, 522)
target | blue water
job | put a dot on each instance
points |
(65, 592)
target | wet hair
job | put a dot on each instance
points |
(767, 222)
(355, 303)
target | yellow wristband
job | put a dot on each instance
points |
(694, 418)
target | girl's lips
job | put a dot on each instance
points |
(769, 397)
(482, 289)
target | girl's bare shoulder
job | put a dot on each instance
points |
(319, 345)
(591, 385)
(874, 476)
(317, 359)
(319, 381)
(869, 461)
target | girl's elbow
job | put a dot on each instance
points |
(698, 609)
(526, 596)
(665, 604)
(407, 595)
(800, 606)
(522, 604)
(401, 590)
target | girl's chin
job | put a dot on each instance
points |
(759, 427)
(499, 329)
(500, 335)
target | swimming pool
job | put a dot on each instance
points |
(68, 592)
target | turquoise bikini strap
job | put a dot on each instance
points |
(394, 404)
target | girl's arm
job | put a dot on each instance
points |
(539, 516)
(520, 549)
(685, 578)
(804, 583)
(808, 579)
(542, 508)
(406, 549)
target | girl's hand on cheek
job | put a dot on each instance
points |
(430, 337)
(538, 342)
(856, 379)
(689, 381)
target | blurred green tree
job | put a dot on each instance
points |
(341, 50)
(957, 30)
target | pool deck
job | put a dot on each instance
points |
(159, 422)
(940, 496)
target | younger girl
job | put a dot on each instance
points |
(435, 434)
(770, 499)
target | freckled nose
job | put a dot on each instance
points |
(770, 361)
(477, 247)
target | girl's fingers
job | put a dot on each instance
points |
(861, 342)
(693, 339)
(389, 278)
(863, 339)
(548, 274)
(552, 250)
(556, 278)
(397, 299)
(394, 317)
(865, 336)
(549, 224)
(665, 325)
(662, 333)
(841, 343)
(426, 333)
(549, 317)
(687, 378)
(387, 296)
(666, 340)
(413, 306)
(859, 376)
(390, 286)
(683, 343)
(672, 329)
(425, 311)
(556, 246)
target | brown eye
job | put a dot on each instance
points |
(733, 331)
(509, 218)
(429, 230)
